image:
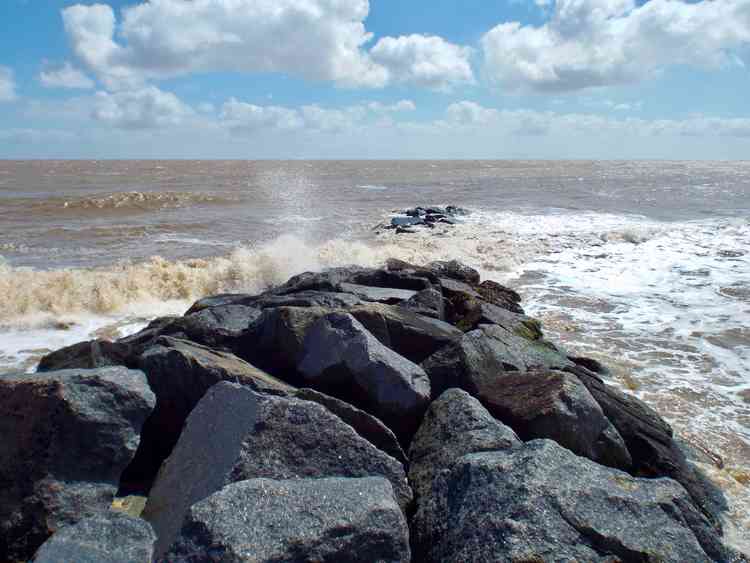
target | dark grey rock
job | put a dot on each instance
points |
(179, 373)
(347, 520)
(486, 353)
(235, 434)
(406, 221)
(325, 299)
(591, 364)
(554, 405)
(110, 537)
(65, 438)
(456, 424)
(218, 301)
(454, 269)
(520, 325)
(218, 327)
(428, 303)
(649, 439)
(342, 358)
(412, 280)
(378, 294)
(86, 355)
(405, 332)
(364, 424)
(540, 502)
(496, 294)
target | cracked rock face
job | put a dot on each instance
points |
(348, 520)
(540, 502)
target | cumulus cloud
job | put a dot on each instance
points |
(424, 60)
(66, 76)
(315, 39)
(7, 85)
(590, 43)
(242, 117)
(468, 115)
(145, 108)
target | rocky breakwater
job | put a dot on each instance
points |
(407, 413)
(409, 220)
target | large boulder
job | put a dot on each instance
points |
(649, 439)
(428, 303)
(86, 355)
(409, 334)
(541, 502)
(351, 520)
(110, 537)
(496, 294)
(486, 353)
(65, 439)
(364, 424)
(456, 424)
(179, 373)
(236, 434)
(455, 270)
(555, 405)
(342, 358)
(218, 327)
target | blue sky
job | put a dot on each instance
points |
(378, 79)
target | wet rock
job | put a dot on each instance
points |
(486, 353)
(540, 502)
(236, 434)
(353, 520)
(324, 299)
(406, 221)
(109, 537)
(378, 294)
(428, 303)
(408, 334)
(179, 373)
(455, 270)
(65, 438)
(412, 280)
(553, 405)
(219, 300)
(520, 325)
(342, 358)
(218, 327)
(364, 424)
(649, 439)
(496, 294)
(591, 364)
(86, 355)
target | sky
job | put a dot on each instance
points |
(384, 79)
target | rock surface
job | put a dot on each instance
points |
(540, 502)
(109, 537)
(334, 519)
(65, 438)
(235, 434)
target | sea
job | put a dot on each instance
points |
(644, 265)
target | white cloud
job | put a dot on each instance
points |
(315, 39)
(7, 85)
(36, 135)
(241, 117)
(604, 42)
(66, 76)
(144, 108)
(466, 115)
(424, 60)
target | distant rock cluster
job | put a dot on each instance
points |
(424, 217)
(404, 413)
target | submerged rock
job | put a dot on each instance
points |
(235, 434)
(65, 439)
(334, 519)
(109, 537)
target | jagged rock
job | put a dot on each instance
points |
(412, 280)
(428, 303)
(275, 341)
(364, 424)
(342, 358)
(540, 502)
(218, 327)
(520, 325)
(109, 537)
(486, 353)
(378, 294)
(456, 424)
(179, 373)
(235, 434)
(85, 355)
(591, 364)
(649, 440)
(406, 221)
(65, 438)
(554, 405)
(499, 295)
(453, 269)
(324, 299)
(408, 334)
(352, 520)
